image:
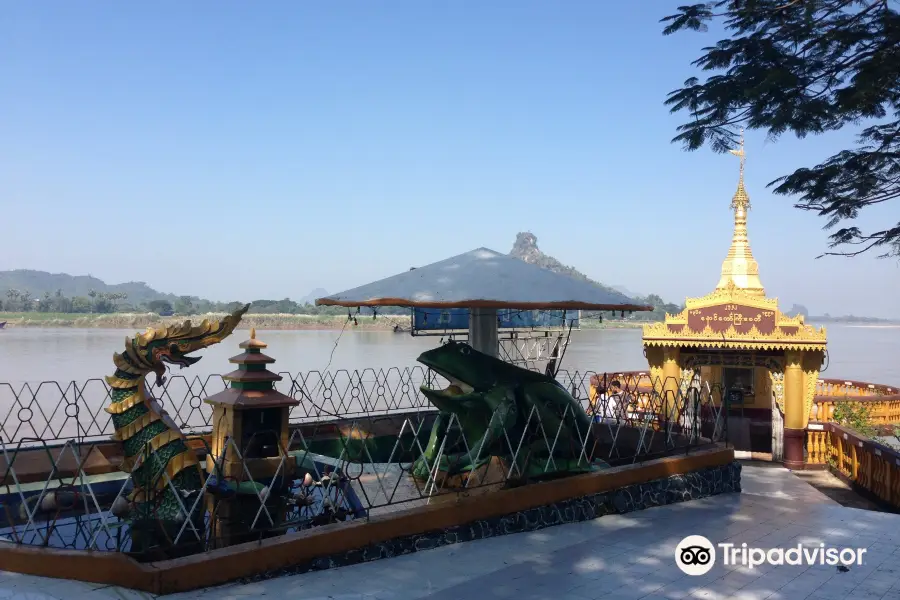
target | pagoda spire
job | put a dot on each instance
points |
(740, 269)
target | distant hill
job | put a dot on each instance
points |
(311, 297)
(526, 248)
(626, 291)
(37, 283)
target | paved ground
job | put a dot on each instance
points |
(614, 557)
(837, 490)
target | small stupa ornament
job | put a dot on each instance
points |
(740, 269)
(253, 414)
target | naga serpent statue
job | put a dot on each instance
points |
(499, 406)
(155, 450)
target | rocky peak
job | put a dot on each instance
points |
(526, 248)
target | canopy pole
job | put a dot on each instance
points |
(484, 331)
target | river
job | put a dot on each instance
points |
(30, 355)
(51, 384)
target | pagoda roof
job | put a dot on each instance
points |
(247, 358)
(252, 398)
(251, 376)
(484, 278)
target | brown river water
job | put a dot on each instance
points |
(31, 356)
(34, 355)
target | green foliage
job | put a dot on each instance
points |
(660, 308)
(184, 306)
(855, 415)
(39, 283)
(808, 67)
(160, 306)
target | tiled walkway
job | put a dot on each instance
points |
(614, 557)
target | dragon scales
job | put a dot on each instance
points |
(154, 447)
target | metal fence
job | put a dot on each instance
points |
(54, 411)
(361, 443)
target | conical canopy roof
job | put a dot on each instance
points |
(484, 278)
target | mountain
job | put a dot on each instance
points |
(526, 248)
(37, 283)
(626, 291)
(311, 297)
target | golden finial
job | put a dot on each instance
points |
(740, 153)
(740, 269)
(740, 199)
(252, 342)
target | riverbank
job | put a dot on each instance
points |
(261, 322)
(143, 320)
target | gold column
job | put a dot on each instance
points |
(794, 409)
(671, 380)
(654, 356)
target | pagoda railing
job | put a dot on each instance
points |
(882, 401)
(870, 467)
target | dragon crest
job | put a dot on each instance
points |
(152, 350)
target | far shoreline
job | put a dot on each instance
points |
(263, 322)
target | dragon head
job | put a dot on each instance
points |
(154, 349)
(468, 370)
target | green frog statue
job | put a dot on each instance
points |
(524, 418)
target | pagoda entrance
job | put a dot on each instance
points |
(747, 387)
(761, 365)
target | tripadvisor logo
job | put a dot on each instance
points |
(696, 555)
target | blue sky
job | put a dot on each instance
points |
(237, 150)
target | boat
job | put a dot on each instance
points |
(2, 324)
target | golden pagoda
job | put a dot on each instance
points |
(737, 341)
(739, 267)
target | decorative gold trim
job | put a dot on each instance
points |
(731, 293)
(135, 357)
(117, 408)
(176, 465)
(122, 384)
(155, 444)
(123, 365)
(805, 337)
(811, 362)
(130, 430)
(658, 334)
(778, 389)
